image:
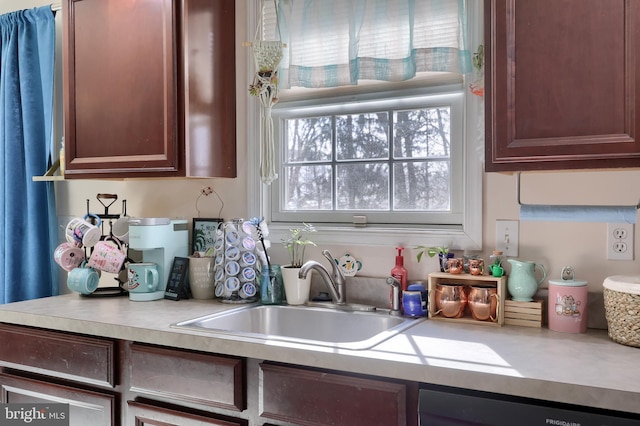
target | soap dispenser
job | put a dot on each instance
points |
(399, 273)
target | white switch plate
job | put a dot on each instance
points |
(507, 237)
(620, 238)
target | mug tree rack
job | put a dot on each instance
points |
(107, 200)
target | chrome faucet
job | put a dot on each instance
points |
(335, 282)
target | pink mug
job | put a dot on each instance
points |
(108, 256)
(68, 256)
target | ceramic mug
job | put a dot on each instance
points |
(476, 266)
(120, 229)
(108, 256)
(83, 279)
(201, 282)
(455, 265)
(68, 256)
(81, 231)
(414, 301)
(142, 277)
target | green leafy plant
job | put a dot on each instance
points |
(431, 251)
(297, 243)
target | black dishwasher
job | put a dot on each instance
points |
(447, 406)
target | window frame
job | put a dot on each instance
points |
(468, 236)
(450, 95)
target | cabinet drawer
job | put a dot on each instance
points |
(64, 355)
(186, 376)
(310, 397)
(85, 407)
(145, 414)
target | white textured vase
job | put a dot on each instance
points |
(296, 289)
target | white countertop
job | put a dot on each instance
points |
(586, 369)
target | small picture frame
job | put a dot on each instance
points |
(203, 233)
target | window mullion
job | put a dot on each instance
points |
(391, 160)
(334, 163)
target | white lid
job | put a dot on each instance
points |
(566, 278)
(568, 283)
(624, 284)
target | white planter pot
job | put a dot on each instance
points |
(296, 289)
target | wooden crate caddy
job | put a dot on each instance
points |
(524, 314)
(436, 278)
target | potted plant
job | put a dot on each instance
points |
(442, 252)
(296, 289)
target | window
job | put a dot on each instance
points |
(378, 159)
(393, 161)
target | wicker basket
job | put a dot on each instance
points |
(622, 310)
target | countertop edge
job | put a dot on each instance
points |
(374, 362)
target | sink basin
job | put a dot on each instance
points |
(307, 325)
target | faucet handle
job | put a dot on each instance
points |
(329, 256)
(393, 282)
(337, 273)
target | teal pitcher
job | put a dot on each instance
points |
(522, 282)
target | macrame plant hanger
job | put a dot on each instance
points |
(268, 55)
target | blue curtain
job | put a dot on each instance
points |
(27, 215)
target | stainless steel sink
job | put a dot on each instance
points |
(307, 325)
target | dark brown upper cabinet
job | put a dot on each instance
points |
(149, 88)
(562, 84)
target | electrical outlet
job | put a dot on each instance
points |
(620, 238)
(507, 237)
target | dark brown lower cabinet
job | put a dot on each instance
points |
(86, 407)
(110, 382)
(315, 397)
(43, 366)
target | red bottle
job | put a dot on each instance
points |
(399, 273)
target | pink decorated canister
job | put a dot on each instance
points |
(568, 303)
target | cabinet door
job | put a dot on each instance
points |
(120, 87)
(562, 84)
(149, 88)
(209, 88)
(85, 407)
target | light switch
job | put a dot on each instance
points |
(507, 237)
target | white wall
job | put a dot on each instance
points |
(555, 245)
